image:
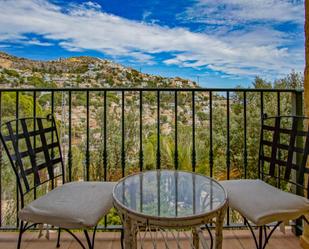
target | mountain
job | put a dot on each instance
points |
(83, 71)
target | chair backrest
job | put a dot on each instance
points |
(284, 148)
(33, 149)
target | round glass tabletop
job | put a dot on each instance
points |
(169, 193)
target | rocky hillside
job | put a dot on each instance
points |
(94, 72)
(81, 71)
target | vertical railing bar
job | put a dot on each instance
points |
(123, 163)
(52, 134)
(211, 161)
(141, 193)
(194, 194)
(297, 110)
(1, 162)
(158, 131)
(228, 135)
(52, 102)
(141, 155)
(105, 144)
(245, 135)
(261, 167)
(176, 130)
(34, 137)
(87, 138)
(70, 158)
(193, 132)
(279, 152)
(63, 131)
(17, 193)
(52, 112)
(262, 106)
(105, 137)
(176, 193)
(278, 104)
(228, 145)
(101, 148)
(159, 193)
(245, 138)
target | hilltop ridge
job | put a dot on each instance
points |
(82, 71)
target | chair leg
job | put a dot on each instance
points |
(260, 237)
(252, 232)
(21, 228)
(265, 233)
(75, 237)
(267, 237)
(88, 239)
(261, 242)
(93, 236)
(90, 242)
(122, 238)
(58, 238)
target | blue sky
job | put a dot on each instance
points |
(223, 43)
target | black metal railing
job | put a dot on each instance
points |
(232, 103)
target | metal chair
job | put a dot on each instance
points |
(284, 148)
(33, 149)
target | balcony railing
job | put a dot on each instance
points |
(107, 133)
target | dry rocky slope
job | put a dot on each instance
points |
(80, 71)
(90, 72)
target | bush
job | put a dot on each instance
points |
(11, 72)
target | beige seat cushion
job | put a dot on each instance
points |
(262, 203)
(73, 205)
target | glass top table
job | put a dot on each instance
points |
(170, 194)
(169, 198)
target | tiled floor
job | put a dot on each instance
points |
(233, 239)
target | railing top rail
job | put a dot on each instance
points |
(167, 89)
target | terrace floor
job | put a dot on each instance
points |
(233, 239)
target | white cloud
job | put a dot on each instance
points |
(87, 27)
(38, 43)
(232, 12)
(146, 14)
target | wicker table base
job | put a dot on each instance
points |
(137, 228)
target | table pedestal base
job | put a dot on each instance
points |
(136, 233)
